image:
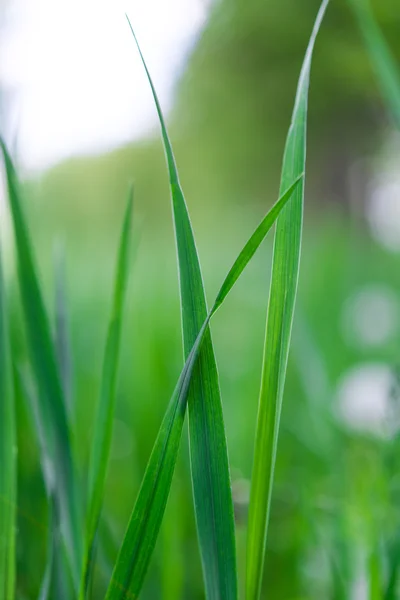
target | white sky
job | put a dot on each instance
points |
(72, 73)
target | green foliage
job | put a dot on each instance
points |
(140, 538)
(144, 526)
(8, 456)
(328, 496)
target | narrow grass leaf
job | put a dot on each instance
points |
(285, 270)
(61, 329)
(8, 466)
(44, 365)
(144, 525)
(386, 69)
(208, 448)
(100, 450)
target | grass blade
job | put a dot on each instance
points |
(144, 525)
(208, 448)
(8, 466)
(282, 298)
(62, 339)
(44, 364)
(386, 69)
(100, 450)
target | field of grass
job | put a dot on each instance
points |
(290, 492)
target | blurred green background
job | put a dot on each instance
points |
(335, 506)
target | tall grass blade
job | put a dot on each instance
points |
(44, 365)
(100, 450)
(282, 298)
(386, 69)
(62, 338)
(208, 448)
(144, 525)
(8, 462)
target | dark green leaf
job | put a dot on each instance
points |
(208, 449)
(8, 455)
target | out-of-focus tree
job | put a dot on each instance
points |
(236, 96)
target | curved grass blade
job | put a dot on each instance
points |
(8, 463)
(386, 69)
(100, 450)
(285, 270)
(208, 448)
(44, 365)
(144, 525)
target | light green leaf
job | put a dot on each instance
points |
(44, 365)
(285, 271)
(386, 69)
(141, 535)
(62, 338)
(104, 420)
(8, 456)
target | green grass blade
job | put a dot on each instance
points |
(386, 69)
(8, 463)
(62, 338)
(100, 450)
(44, 365)
(282, 298)
(208, 448)
(144, 525)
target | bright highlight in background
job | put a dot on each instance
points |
(71, 81)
